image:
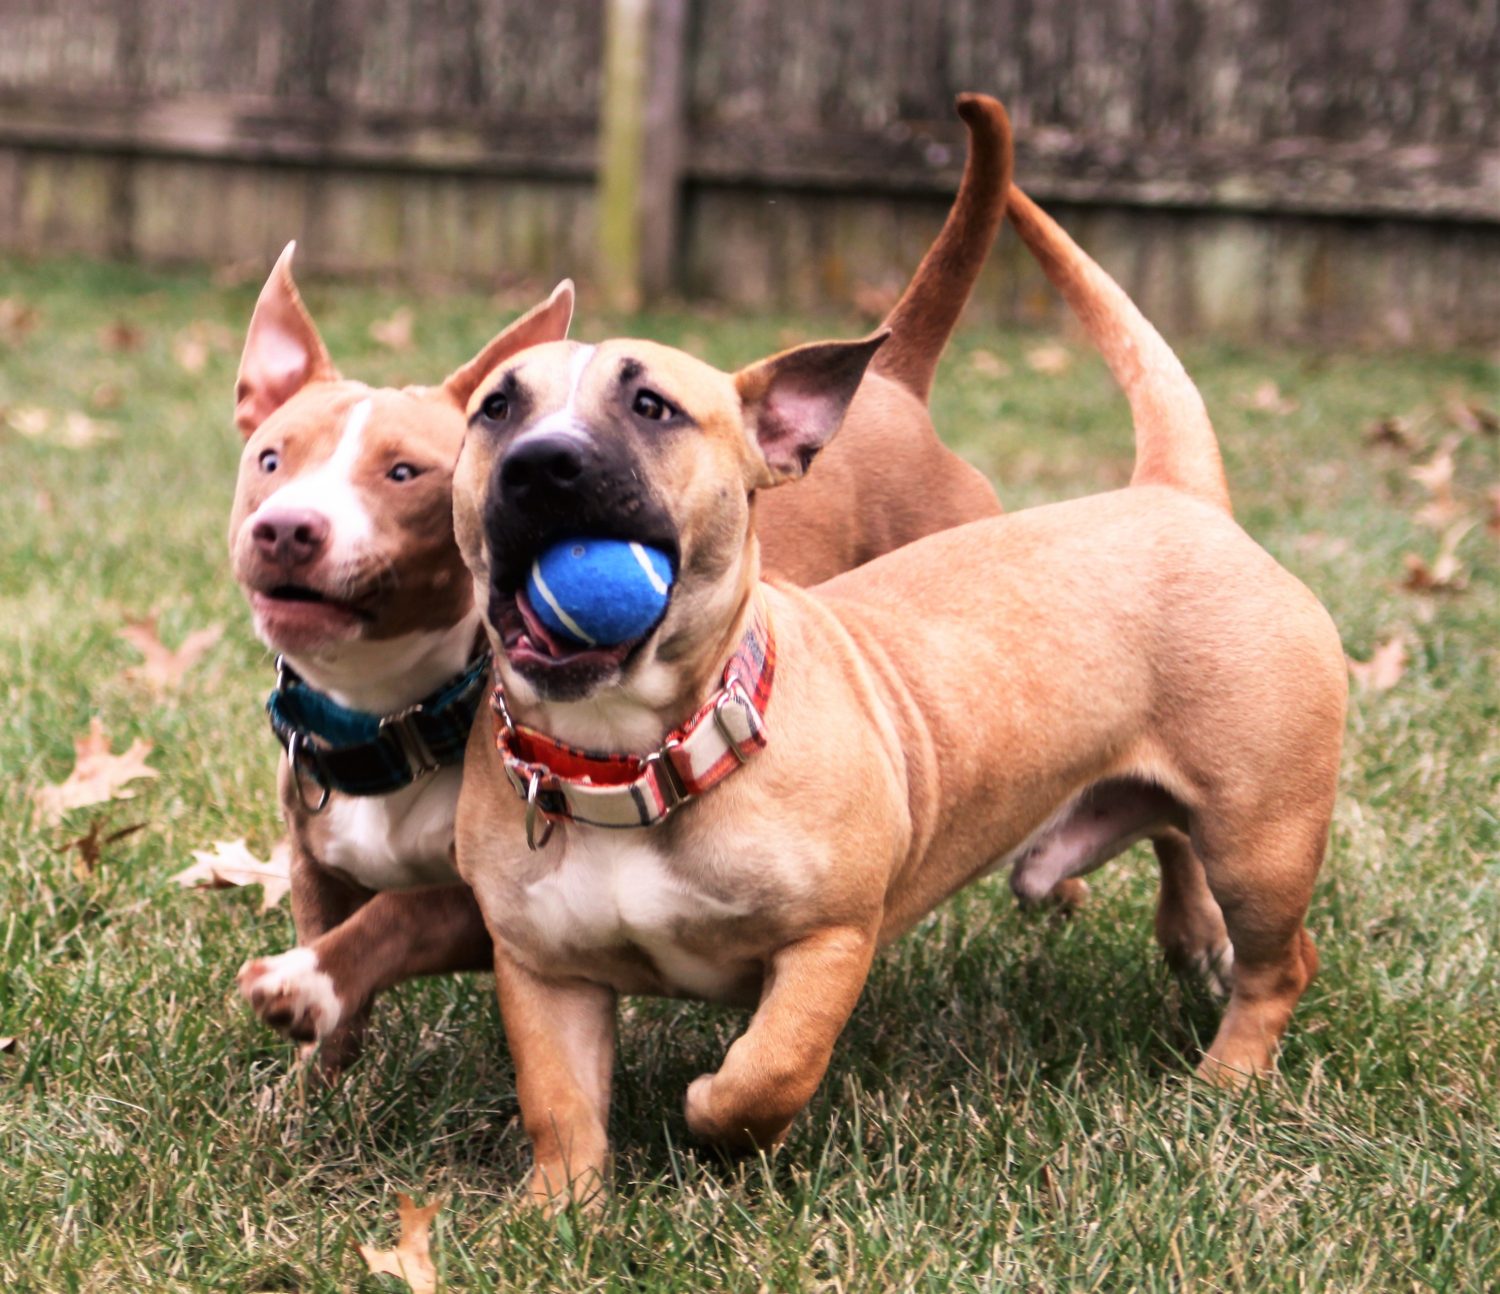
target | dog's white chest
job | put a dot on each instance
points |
(396, 841)
(610, 893)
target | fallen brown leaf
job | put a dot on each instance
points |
(1436, 477)
(106, 396)
(90, 846)
(121, 334)
(1395, 431)
(164, 668)
(29, 420)
(410, 1259)
(79, 431)
(1050, 360)
(230, 865)
(1472, 418)
(1492, 522)
(17, 320)
(988, 364)
(875, 300)
(394, 333)
(1385, 667)
(97, 776)
(1267, 398)
(190, 353)
(1446, 572)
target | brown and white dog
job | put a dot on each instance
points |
(806, 773)
(341, 536)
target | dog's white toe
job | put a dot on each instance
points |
(293, 994)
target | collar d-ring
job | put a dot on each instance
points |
(532, 810)
(294, 750)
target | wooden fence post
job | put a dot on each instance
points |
(640, 149)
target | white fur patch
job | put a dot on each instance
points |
(395, 841)
(329, 489)
(608, 892)
(294, 982)
(564, 420)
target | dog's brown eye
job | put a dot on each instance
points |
(647, 404)
(496, 406)
(270, 460)
(403, 472)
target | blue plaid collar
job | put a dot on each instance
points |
(356, 753)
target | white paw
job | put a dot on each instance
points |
(292, 994)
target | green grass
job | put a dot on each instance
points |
(1010, 1106)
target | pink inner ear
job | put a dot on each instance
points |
(793, 425)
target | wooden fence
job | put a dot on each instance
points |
(1304, 168)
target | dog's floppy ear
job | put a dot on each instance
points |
(795, 401)
(543, 323)
(283, 351)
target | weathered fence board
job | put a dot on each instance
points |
(1243, 165)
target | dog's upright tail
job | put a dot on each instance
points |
(1174, 440)
(924, 318)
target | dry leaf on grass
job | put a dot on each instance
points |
(1050, 361)
(410, 1259)
(1492, 522)
(1395, 431)
(875, 300)
(230, 864)
(1385, 667)
(97, 776)
(1436, 477)
(988, 364)
(1446, 572)
(394, 333)
(17, 320)
(78, 430)
(121, 335)
(29, 420)
(90, 846)
(1472, 418)
(164, 668)
(1267, 398)
(190, 353)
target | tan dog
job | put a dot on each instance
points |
(341, 536)
(1033, 691)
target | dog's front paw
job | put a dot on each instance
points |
(712, 1119)
(293, 994)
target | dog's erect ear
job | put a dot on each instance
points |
(283, 351)
(546, 322)
(795, 401)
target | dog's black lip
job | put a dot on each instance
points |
(307, 594)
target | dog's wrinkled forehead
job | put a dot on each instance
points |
(575, 386)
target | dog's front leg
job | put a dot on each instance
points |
(562, 1038)
(772, 1070)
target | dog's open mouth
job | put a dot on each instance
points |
(562, 667)
(299, 617)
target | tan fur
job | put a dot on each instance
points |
(855, 505)
(1034, 690)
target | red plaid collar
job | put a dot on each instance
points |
(563, 783)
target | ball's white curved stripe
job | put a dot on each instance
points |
(569, 623)
(657, 583)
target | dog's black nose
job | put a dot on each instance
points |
(292, 537)
(542, 468)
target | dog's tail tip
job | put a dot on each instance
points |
(925, 316)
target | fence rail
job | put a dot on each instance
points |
(1342, 160)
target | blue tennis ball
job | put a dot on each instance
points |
(599, 592)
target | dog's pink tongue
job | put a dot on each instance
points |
(539, 634)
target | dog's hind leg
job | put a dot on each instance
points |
(1261, 874)
(1189, 926)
